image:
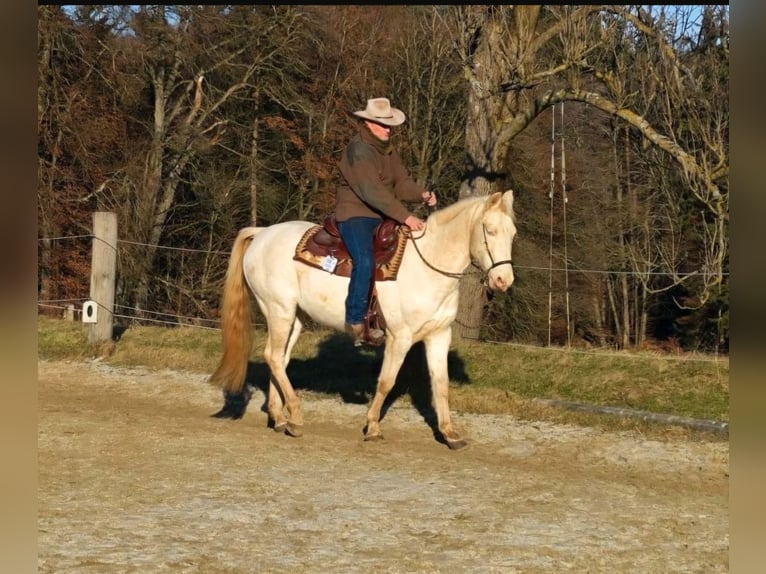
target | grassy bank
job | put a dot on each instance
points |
(485, 377)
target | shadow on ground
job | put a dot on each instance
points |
(352, 373)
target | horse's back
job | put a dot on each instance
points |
(282, 283)
(271, 251)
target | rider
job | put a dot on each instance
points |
(373, 184)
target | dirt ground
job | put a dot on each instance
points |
(136, 476)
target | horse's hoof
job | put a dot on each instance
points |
(292, 429)
(235, 404)
(280, 427)
(373, 437)
(456, 444)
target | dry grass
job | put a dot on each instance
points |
(486, 378)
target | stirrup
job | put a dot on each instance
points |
(375, 337)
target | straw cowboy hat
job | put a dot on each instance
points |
(379, 110)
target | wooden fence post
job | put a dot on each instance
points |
(103, 273)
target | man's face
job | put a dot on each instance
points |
(380, 131)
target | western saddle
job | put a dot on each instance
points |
(322, 247)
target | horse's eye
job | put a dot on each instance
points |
(491, 231)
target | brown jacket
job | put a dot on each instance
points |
(373, 181)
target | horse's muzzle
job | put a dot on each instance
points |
(501, 283)
(500, 276)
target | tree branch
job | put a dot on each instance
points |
(689, 165)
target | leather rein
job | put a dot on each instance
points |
(466, 273)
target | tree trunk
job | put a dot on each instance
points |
(147, 201)
(47, 228)
(46, 231)
(484, 160)
(473, 297)
(610, 289)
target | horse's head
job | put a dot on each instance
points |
(492, 239)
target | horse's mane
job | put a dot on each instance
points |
(447, 214)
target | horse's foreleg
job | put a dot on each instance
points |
(393, 357)
(275, 406)
(437, 348)
(281, 340)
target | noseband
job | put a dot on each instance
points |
(489, 252)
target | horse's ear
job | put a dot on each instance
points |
(508, 198)
(498, 197)
(494, 200)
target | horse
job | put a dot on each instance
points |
(419, 305)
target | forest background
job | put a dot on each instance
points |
(610, 123)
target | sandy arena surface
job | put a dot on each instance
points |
(136, 476)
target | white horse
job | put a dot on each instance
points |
(419, 305)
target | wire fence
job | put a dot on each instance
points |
(568, 269)
(132, 315)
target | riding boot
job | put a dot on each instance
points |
(372, 337)
(356, 330)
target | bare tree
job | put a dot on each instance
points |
(197, 61)
(426, 81)
(79, 133)
(520, 60)
(192, 120)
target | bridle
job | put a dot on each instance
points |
(465, 273)
(489, 252)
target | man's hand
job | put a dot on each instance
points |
(429, 198)
(415, 223)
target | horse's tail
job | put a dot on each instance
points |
(236, 320)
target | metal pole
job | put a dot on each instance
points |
(564, 215)
(550, 195)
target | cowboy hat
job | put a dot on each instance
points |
(379, 110)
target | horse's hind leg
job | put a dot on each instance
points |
(275, 401)
(393, 357)
(437, 348)
(283, 333)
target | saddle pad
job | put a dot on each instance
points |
(386, 268)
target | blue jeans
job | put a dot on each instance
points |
(358, 234)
